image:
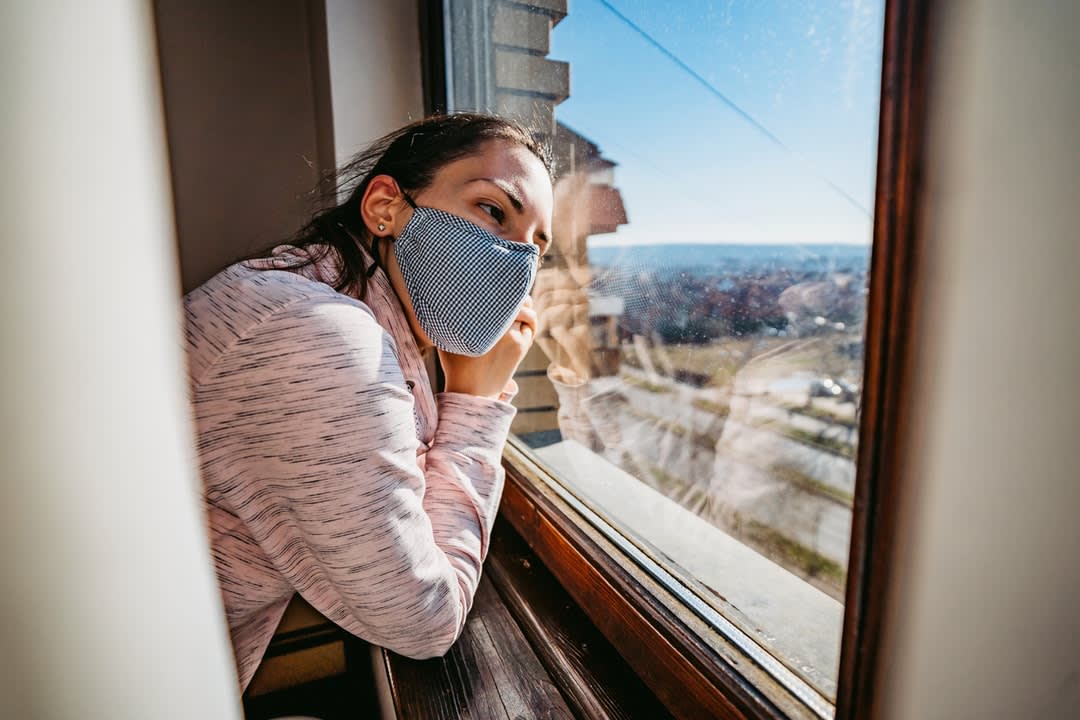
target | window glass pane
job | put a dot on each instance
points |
(696, 378)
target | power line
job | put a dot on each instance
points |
(732, 105)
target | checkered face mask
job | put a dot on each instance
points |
(466, 284)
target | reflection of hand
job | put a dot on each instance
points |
(489, 374)
(563, 311)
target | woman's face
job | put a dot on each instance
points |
(503, 188)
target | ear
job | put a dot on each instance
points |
(382, 204)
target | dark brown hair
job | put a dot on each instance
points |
(412, 155)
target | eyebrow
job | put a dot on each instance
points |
(514, 197)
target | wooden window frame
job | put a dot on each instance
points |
(690, 676)
(895, 288)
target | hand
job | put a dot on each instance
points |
(488, 375)
(563, 308)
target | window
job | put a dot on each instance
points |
(696, 389)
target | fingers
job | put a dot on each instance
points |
(523, 329)
(526, 317)
(575, 345)
(563, 297)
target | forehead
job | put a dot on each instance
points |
(506, 163)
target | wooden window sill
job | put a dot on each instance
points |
(527, 651)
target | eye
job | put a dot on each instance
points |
(494, 211)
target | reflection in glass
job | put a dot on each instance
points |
(734, 391)
(697, 374)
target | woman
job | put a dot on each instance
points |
(330, 468)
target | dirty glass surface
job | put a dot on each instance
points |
(696, 377)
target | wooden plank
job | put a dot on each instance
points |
(525, 686)
(491, 672)
(593, 677)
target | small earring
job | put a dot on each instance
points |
(381, 227)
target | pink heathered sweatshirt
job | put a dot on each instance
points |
(328, 466)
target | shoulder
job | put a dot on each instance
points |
(242, 305)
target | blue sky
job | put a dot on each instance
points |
(692, 170)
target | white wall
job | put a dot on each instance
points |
(985, 595)
(109, 607)
(375, 81)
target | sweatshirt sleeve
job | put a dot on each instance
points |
(308, 436)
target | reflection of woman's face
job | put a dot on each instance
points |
(503, 188)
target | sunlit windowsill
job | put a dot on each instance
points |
(783, 612)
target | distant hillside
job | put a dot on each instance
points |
(733, 258)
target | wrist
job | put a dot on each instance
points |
(478, 392)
